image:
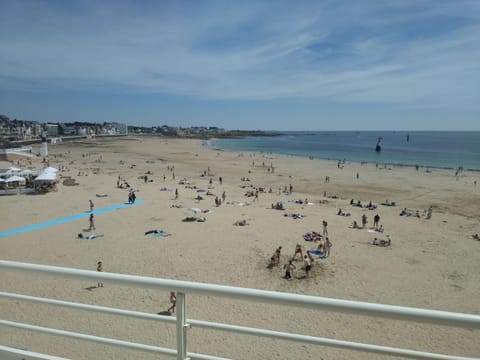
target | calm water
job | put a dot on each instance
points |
(438, 149)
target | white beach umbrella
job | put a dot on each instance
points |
(15, 178)
(50, 170)
(26, 172)
(13, 170)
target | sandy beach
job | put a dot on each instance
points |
(431, 263)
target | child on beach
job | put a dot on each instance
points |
(173, 301)
(99, 269)
(290, 267)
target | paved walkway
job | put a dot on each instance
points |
(74, 217)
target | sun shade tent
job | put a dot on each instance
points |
(15, 178)
(46, 176)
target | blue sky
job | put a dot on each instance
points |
(285, 65)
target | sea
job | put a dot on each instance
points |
(426, 149)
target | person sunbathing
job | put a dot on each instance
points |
(381, 242)
(476, 236)
(241, 222)
(89, 237)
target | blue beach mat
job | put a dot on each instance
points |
(67, 219)
(316, 252)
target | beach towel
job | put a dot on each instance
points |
(91, 236)
(157, 233)
(317, 252)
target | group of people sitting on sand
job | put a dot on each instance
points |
(427, 213)
(370, 206)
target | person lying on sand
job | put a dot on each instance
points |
(194, 218)
(89, 237)
(295, 216)
(476, 237)
(381, 242)
(157, 232)
(342, 213)
(241, 223)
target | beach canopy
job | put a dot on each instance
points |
(50, 169)
(15, 178)
(26, 172)
(13, 170)
(46, 176)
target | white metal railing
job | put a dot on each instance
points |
(183, 324)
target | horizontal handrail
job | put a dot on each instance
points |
(30, 354)
(217, 326)
(184, 287)
(241, 329)
(104, 340)
(319, 303)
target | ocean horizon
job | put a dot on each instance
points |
(426, 149)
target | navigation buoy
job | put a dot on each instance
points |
(378, 148)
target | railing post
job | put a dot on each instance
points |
(182, 326)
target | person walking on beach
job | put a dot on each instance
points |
(92, 223)
(325, 228)
(91, 205)
(176, 193)
(99, 269)
(173, 301)
(364, 220)
(376, 220)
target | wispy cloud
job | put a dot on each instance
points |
(422, 51)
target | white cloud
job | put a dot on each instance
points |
(265, 52)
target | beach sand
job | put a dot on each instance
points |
(432, 263)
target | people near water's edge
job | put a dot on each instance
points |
(173, 301)
(99, 269)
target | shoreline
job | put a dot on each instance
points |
(380, 165)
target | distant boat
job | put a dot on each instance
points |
(378, 148)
